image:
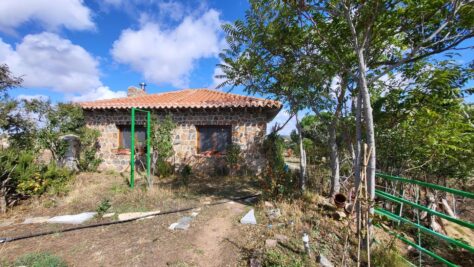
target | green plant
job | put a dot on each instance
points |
(277, 258)
(163, 168)
(43, 259)
(278, 181)
(162, 145)
(185, 173)
(233, 157)
(103, 207)
(88, 160)
(387, 256)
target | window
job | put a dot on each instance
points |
(125, 135)
(214, 138)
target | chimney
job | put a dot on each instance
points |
(134, 91)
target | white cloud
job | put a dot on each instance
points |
(46, 60)
(281, 118)
(217, 81)
(102, 92)
(165, 55)
(70, 14)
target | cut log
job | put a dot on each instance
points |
(447, 208)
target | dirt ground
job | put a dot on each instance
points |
(208, 242)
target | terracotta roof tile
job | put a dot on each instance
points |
(186, 98)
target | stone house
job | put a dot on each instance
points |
(206, 120)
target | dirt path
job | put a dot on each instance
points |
(211, 239)
(208, 242)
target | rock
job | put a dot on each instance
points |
(249, 218)
(270, 243)
(268, 204)
(254, 262)
(251, 200)
(108, 215)
(273, 214)
(172, 226)
(36, 220)
(339, 215)
(183, 223)
(281, 238)
(323, 261)
(73, 219)
(134, 215)
(6, 223)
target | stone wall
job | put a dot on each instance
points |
(248, 131)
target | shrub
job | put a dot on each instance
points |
(278, 181)
(103, 207)
(387, 256)
(185, 172)
(88, 160)
(40, 260)
(233, 157)
(163, 168)
(21, 175)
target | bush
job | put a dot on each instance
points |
(88, 160)
(233, 157)
(278, 181)
(387, 256)
(21, 175)
(103, 207)
(185, 172)
(164, 168)
(40, 260)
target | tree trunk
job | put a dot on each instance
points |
(334, 156)
(369, 125)
(302, 156)
(335, 183)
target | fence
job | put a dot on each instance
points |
(400, 219)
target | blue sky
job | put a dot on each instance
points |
(76, 50)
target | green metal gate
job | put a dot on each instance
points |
(400, 219)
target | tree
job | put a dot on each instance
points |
(384, 36)
(273, 53)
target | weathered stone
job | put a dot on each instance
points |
(134, 215)
(36, 220)
(268, 204)
(281, 238)
(73, 219)
(248, 131)
(273, 214)
(271, 243)
(323, 261)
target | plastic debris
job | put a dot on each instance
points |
(73, 219)
(249, 218)
(183, 223)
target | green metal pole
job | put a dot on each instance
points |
(424, 229)
(132, 150)
(430, 185)
(418, 206)
(422, 249)
(148, 136)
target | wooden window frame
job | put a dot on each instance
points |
(198, 136)
(120, 128)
